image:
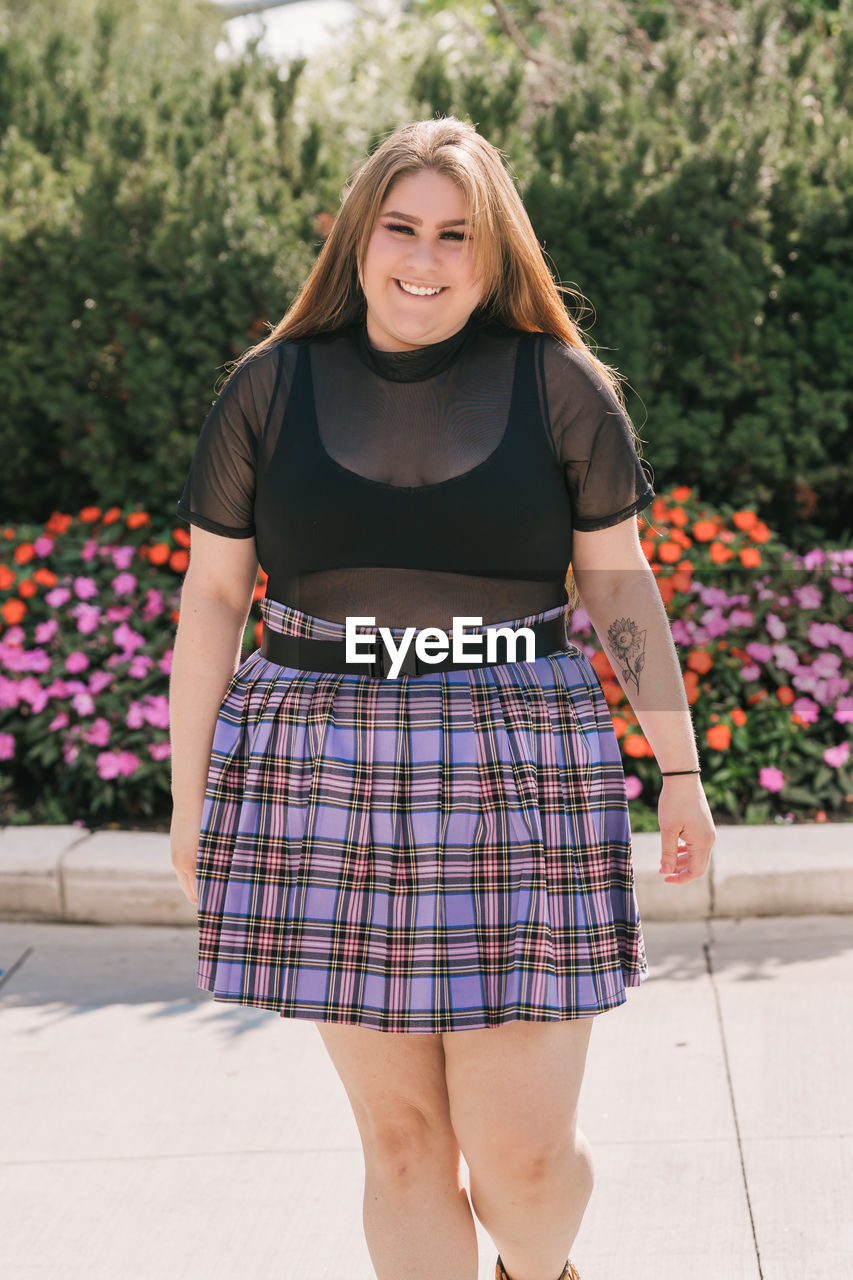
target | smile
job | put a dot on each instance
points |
(420, 290)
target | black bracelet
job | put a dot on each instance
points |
(676, 772)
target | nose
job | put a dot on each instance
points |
(422, 257)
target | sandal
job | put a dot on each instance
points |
(568, 1272)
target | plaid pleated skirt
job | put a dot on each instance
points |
(425, 854)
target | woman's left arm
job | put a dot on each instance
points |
(620, 594)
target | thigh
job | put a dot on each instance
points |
(514, 1089)
(394, 1081)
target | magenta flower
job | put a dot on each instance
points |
(85, 588)
(29, 690)
(156, 711)
(57, 597)
(127, 639)
(165, 663)
(76, 662)
(633, 786)
(69, 752)
(159, 750)
(43, 545)
(759, 652)
(98, 681)
(83, 704)
(771, 779)
(9, 693)
(107, 764)
(135, 717)
(90, 550)
(119, 612)
(37, 660)
(88, 617)
(837, 756)
(57, 689)
(153, 606)
(140, 666)
(59, 721)
(7, 746)
(807, 709)
(123, 557)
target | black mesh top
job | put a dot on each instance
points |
(420, 485)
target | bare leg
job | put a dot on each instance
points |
(417, 1219)
(513, 1095)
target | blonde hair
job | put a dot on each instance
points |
(519, 290)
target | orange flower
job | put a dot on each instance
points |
(45, 577)
(612, 691)
(739, 716)
(112, 515)
(820, 816)
(259, 591)
(758, 696)
(648, 548)
(601, 665)
(785, 694)
(635, 745)
(7, 577)
(175, 615)
(750, 557)
(89, 515)
(705, 530)
(13, 611)
(181, 537)
(719, 553)
(23, 553)
(259, 631)
(700, 660)
(719, 737)
(620, 725)
(9, 533)
(760, 532)
(58, 523)
(159, 553)
(744, 519)
(179, 561)
(667, 589)
(691, 686)
(681, 494)
(669, 552)
(27, 588)
(137, 519)
(679, 516)
(799, 721)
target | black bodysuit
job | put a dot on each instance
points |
(415, 486)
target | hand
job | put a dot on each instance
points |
(184, 835)
(684, 817)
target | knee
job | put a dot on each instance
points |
(534, 1162)
(403, 1145)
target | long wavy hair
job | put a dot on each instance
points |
(519, 290)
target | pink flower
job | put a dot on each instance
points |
(43, 545)
(57, 597)
(45, 631)
(844, 711)
(29, 690)
(633, 786)
(808, 597)
(83, 704)
(776, 627)
(76, 662)
(837, 756)
(140, 666)
(123, 584)
(69, 752)
(759, 652)
(128, 763)
(153, 606)
(98, 681)
(165, 663)
(9, 693)
(90, 550)
(37, 660)
(88, 616)
(123, 557)
(135, 717)
(125, 638)
(159, 750)
(85, 588)
(807, 709)
(98, 734)
(58, 722)
(771, 779)
(7, 746)
(156, 711)
(57, 689)
(119, 612)
(107, 763)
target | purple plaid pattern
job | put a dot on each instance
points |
(431, 853)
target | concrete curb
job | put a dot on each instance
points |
(126, 877)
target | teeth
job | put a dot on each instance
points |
(420, 291)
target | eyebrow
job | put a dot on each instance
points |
(408, 217)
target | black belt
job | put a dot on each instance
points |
(329, 655)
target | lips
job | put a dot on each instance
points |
(441, 289)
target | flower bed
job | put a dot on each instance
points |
(88, 607)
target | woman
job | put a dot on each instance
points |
(428, 855)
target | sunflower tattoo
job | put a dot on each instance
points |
(628, 643)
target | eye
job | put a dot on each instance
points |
(399, 226)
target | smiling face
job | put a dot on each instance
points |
(420, 242)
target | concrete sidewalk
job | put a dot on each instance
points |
(126, 877)
(150, 1132)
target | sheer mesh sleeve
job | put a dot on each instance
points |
(219, 492)
(591, 435)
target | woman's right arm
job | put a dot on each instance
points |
(215, 601)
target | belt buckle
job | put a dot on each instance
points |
(383, 661)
